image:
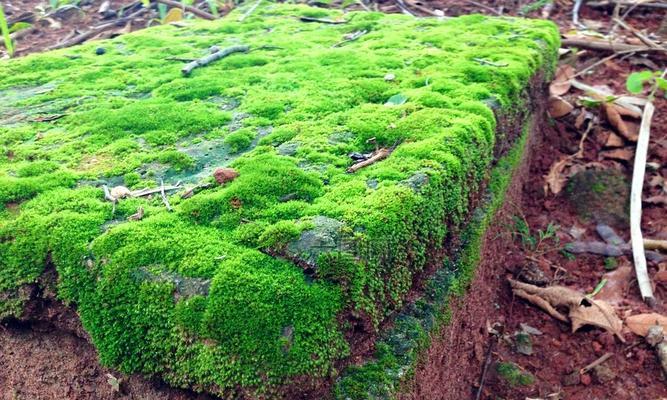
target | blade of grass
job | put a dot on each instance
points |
(5, 32)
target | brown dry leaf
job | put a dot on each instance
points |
(559, 107)
(582, 310)
(615, 120)
(561, 83)
(624, 154)
(618, 284)
(596, 313)
(656, 200)
(640, 323)
(626, 112)
(555, 180)
(660, 276)
(613, 140)
(174, 15)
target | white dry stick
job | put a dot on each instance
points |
(636, 206)
(250, 11)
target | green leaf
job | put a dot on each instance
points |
(396, 100)
(662, 83)
(5, 33)
(19, 26)
(635, 82)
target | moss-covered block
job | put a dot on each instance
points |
(258, 283)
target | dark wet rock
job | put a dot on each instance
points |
(100, 50)
(184, 286)
(340, 137)
(417, 181)
(225, 103)
(325, 236)
(288, 148)
(603, 196)
(237, 121)
(372, 183)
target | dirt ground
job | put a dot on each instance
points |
(47, 364)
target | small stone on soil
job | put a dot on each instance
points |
(224, 175)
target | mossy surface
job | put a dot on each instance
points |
(213, 296)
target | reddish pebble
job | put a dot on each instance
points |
(597, 347)
(586, 379)
(224, 175)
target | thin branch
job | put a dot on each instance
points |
(148, 192)
(655, 244)
(379, 155)
(187, 70)
(193, 10)
(482, 6)
(96, 31)
(165, 200)
(595, 363)
(604, 45)
(640, 36)
(250, 11)
(638, 172)
(323, 20)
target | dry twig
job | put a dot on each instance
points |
(378, 155)
(595, 363)
(187, 69)
(165, 200)
(250, 11)
(638, 172)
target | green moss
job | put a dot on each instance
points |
(192, 295)
(513, 375)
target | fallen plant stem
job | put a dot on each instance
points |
(485, 366)
(602, 61)
(483, 6)
(595, 363)
(201, 62)
(655, 244)
(165, 200)
(491, 63)
(379, 155)
(96, 31)
(638, 172)
(323, 21)
(352, 37)
(148, 192)
(639, 35)
(605, 45)
(611, 4)
(183, 6)
(250, 11)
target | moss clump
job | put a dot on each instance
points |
(194, 295)
(513, 375)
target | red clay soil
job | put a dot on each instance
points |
(40, 362)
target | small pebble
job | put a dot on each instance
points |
(389, 77)
(597, 347)
(100, 50)
(586, 379)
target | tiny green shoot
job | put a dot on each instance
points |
(4, 29)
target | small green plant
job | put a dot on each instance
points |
(535, 242)
(511, 373)
(610, 263)
(4, 29)
(638, 80)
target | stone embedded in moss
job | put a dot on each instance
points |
(193, 296)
